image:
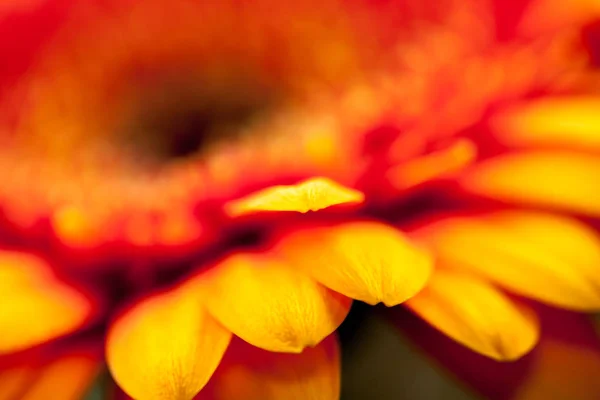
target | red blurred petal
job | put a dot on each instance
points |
(33, 24)
(508, 13)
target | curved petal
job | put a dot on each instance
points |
(556, 179)
(366, 261)
(565, 364)
(271, 305)
(165, 347)
(571, 121)
(67, 378)
(547, 257)
(67, 374)
(310, 195)
(477, 315)
(250, 373)
(35, 306)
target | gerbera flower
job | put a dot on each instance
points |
(205, 188)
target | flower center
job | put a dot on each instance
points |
(179, 118)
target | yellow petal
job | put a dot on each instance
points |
(66, 378)
(557, 121)
(366, 261)
(166, 347)
(271, 305)
(250, 373)
(550, 258)
(569, 181)
(311, 195)
(477, 315)
(35, 306)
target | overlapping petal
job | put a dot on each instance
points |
(271, 304)
(547, 257)
(477, 315)
(250, 373)
(367, 261)
(166, 347)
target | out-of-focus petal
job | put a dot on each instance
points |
(65, 375)
(565, 364)
(35, 306)
(166, 347)
(310, 195)
(547, 257)
(14, 380)
(567, 121)
(477, 315)
(562, 180)
(366, 261)
(270, 304)
(67, 378)
(545, 15)
(250, 373)
(437, 164)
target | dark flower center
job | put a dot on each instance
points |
(180, 118)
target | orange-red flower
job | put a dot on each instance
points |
(178, 174)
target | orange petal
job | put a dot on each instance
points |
(66, 375)
(545, 15)
(557, 121)
(271, 305)
(166, 347)
(15, 380)
(477, 315)
(563, 180)
(366, 261)
(250, 373)
(435, 165)
(550, 258)
(35, 306)
(67, 378)
(311, 195)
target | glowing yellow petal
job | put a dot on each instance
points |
(477, 315)
(35, 306)
(272, 305)
(166, 347)
(250, 373)
(67, 378)
(366, 261)
(75, 228)
(563, 180)
(560, 121)
(550, 258)
(311, 195)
